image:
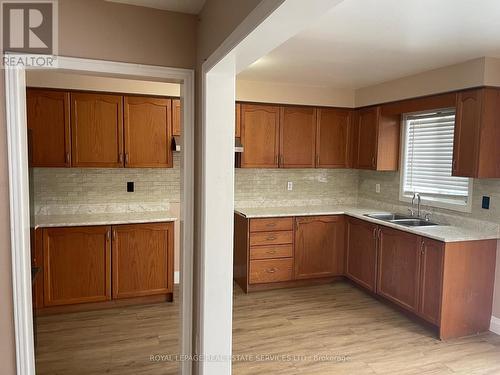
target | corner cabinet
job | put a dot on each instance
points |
(477, 134)
(319, 246)
(333, 137)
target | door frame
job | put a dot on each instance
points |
(15, 96)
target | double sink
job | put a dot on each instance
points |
(400, 219)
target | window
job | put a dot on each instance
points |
(427, 161)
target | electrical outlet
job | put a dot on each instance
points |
(289, 186)
(486, 202)
(130, 187)
(377, 188)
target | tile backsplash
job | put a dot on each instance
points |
(268, 187)
(71, 190)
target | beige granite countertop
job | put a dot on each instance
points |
(445, 233)
(88, 219)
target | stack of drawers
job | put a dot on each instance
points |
(271, 250)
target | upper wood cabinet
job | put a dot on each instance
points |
(97, 130)
(77, 265)
(431, 280)
(147, 132)
(49, 141)
(176, 117)
(376, 138)
(477, 134)
(361, 262)
(398, 267)
(319, 246)
(332, 138)
(297, 137)
(260, 129)
(143, 259)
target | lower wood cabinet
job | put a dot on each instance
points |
(142, 260)
(77, 265)
(431, 280)
(361, 249)
(398, 267)
(100, 264)
(319, 246)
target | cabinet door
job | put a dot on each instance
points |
(332, 138)
(297, 137)
(367, 138)
(147, 132)
(143, 259)
(361, 252)
(48, 128)
(466, 137)
(319, 246)
(77, 264)
(431, 280)
(96, 130)
(259, 136)
(237, 124)
(176, 117)
(398, 267)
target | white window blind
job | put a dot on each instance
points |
(429, 156)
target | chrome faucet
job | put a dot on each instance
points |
(417, 197)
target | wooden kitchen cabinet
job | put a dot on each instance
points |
(297, 137)
(431, 275)
(398, 267)
(77, 265)
(260, 132)
(376, 138)
(319, 246)
(361, 256)
(97, 130)
(237, 123)
(176, 117)
(147, 131)
(143, 260)
(477, 134)
(48, 119)
(332, 138)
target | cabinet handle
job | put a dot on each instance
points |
(422, 249)
(373, 161)
(271, 225)
(271, 252)
(126, 158)
(120, 157)
(454, 165)
(108, 235)
(114, 235)
(277, 161)
(317, 160)
(282, 160)
(374, 233)
(67, 158)
(379, 233)
(271, 270)
(271, 238)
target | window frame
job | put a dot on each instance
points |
(427, 200)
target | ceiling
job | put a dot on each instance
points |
(181, 6)
(360, 43)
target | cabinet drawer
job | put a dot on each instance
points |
(271, 238)
(270, 271)
(266, 252)
(273, 223)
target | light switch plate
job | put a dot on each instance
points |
(289, 186)
(377, 188)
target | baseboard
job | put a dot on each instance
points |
(495, 325)
(177, 277)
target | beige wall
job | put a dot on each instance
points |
(272, 92)
(454, 77)
(50, 79)
(109, 31)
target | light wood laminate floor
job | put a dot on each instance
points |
(327, 329)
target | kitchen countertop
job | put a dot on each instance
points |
(87, 219)
(444, 233)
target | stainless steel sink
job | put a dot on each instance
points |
(400, 219)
